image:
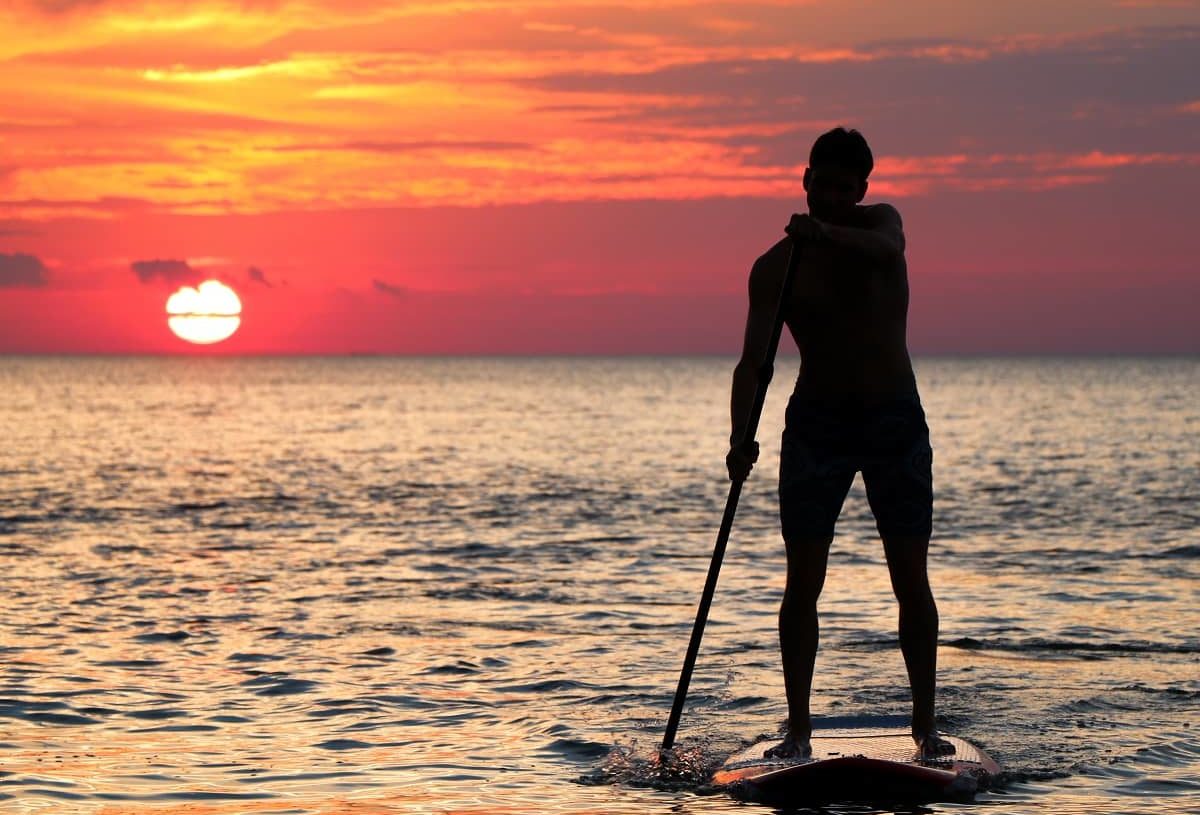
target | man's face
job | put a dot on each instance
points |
(832, 192)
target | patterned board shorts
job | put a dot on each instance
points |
(824, 446)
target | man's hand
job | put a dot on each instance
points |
(804, 228)
(740, 460)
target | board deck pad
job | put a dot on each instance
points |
(857, 762)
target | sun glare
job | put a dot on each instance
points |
(209, 313)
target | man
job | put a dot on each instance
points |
(855, 408)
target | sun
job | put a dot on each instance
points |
(206, 314)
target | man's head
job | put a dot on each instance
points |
(836, 176)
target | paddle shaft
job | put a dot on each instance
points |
(765, 372)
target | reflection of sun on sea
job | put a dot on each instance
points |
(206, 314)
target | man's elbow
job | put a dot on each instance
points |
(889, 245)
(890, 229)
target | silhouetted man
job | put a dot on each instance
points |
(855, 408)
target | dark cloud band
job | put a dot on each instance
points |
(389, 289)
(21, 270)
(169, 271)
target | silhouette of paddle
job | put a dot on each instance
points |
(765, 372)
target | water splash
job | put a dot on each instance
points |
(688, 766)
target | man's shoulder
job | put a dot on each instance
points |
(768, 270)
(884, 219)
(774, 259)
(880, 212)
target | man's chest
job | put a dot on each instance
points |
(831, 281)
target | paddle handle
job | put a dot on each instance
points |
(765, 372)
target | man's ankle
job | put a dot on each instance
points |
(799, 729)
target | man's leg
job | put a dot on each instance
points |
(900, 491)
(813, 483)
(906, 558)
(798, 637)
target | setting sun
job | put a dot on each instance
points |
(206, 314)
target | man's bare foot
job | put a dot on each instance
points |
(932, 745)
(792, 747)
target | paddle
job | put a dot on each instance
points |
(765, 372)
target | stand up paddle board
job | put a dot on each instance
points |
(857, 760)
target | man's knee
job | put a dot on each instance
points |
(914, 595)
(797, 615)
(916, 601)
(807, 555)
(907, 567)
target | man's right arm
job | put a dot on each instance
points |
(765, 280)
(879, 238)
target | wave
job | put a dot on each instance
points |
(1190, 550)
(1042, 644)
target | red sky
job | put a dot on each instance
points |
(588, 177)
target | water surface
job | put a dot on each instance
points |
(456, 585)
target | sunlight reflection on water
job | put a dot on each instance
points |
(394, 585)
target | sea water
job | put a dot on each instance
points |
(393, 585)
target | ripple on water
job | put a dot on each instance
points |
(253, 657)
(277, 684)
(133, 664)
(162, 636)
(157, 713)
(459, 668)
(1034, 644)
(43, 713)
(345, 744)
(576, 750)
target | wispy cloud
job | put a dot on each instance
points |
(256, 275)
(173, 272)
(389, 289)
(409, 146)
(220, 107)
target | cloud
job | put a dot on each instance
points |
(389, 289)
(926, 96)
(62, 6)
(53, 7)
(21, 270)
(1186, 4)
(256, 275)
(22, 229)
(413, 145)
(170, 271)
(551, 101)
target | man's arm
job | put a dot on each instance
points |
(766, 279)
(881, 238)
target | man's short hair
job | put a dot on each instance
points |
(845, 148)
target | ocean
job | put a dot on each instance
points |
(465, 585)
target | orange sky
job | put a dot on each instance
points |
(560, 177)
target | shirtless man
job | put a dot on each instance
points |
(855, 408)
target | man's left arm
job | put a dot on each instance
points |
(880, 238)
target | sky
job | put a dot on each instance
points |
(561, 177)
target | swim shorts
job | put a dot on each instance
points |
(825, 444)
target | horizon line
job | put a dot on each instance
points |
(200, 354)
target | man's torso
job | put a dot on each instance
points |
(848, 316)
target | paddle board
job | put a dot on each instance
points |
(857, 760)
